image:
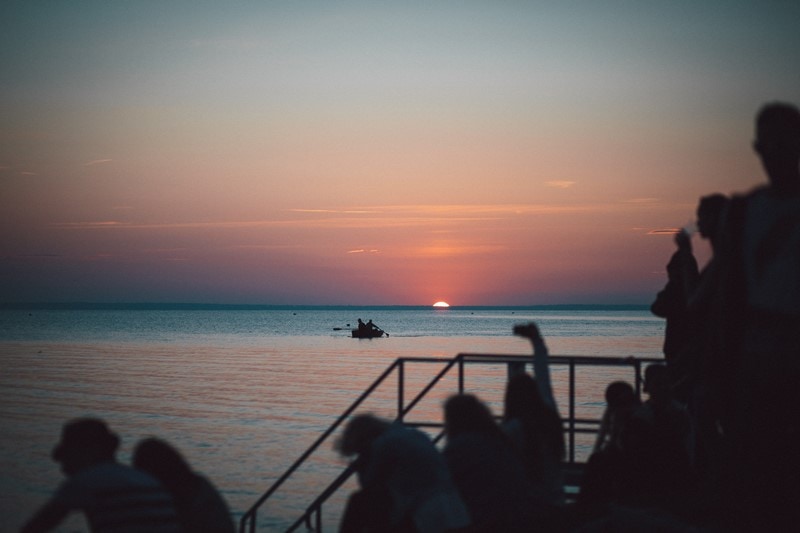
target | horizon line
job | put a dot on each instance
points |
(187, 306)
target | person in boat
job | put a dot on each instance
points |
(362, 327)
(372, 328)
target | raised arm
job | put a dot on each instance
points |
(541, 363)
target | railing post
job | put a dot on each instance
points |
(461, 374)
(400, 388)
(572, 411)
(637, 367)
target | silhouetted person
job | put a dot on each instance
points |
(760, 288)
(688, 313)
(541, 362)
(199, 505)
(114, 497)
(531, 421)
(614, 473)
(670, 474)
(668, 416)
(709, 217)
(362, 327)
(535, 430)
(405, 483)
(486, 468)
(628, 469)
(672, 301)
(620, 399)
(696, 371)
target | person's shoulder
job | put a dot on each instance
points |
(400, 437)
(81, 488)
(114, 473)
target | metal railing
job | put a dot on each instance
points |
(312, 517)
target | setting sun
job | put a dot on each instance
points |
(441, 304)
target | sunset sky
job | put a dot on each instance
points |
(373, 153)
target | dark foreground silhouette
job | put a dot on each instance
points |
(199, 505)
(114, 497)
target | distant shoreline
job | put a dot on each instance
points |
(149, 306)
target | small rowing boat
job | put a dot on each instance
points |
(368, 334)
(367, 331)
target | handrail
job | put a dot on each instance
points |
(313, 511)
(252, 511)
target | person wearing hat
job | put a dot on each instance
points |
(113, 496)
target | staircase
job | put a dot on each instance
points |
(453, 373)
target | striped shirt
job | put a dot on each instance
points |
(119, 499)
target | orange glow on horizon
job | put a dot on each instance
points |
(441, 304)
(354, 169)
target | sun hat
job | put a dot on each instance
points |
(86, 433)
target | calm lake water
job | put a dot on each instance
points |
(243, 392)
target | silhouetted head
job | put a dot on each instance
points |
(465, 412)
(620, 394)
(521, 397)
(778, 144)
(162, 461)
(709, 214)
(656, 379)
(84, 442)
(360, 433)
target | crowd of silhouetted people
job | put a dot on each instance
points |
(506, 473)
(713, 447)
(731, 344)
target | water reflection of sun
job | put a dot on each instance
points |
(441, 304)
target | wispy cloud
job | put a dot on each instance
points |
(363, 251)
(92, 225)
(664, 231)
(336, 211)
(433, 217)
(559, 184)
(97, 162)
